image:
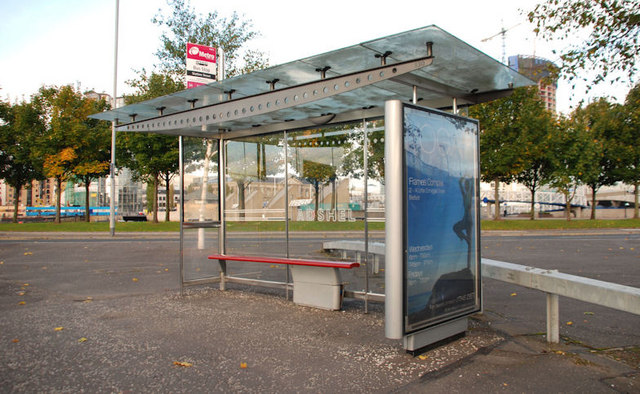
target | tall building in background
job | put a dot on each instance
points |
(537, 69)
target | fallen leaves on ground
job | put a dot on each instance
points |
(83, 339)
(243, 365)
(514, 294)
(569, 323)
(182, 364)
(135, 279)
(58, 329)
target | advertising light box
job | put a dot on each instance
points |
(441, 217)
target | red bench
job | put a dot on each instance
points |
(315, 283)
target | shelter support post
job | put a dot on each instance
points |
(393, 218)
(286, 211)
(181, 205)
(365, 152)
(222, 249)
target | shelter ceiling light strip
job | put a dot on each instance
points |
(276, 100)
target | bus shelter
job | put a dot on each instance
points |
(271, 157)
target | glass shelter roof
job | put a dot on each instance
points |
(427, 64)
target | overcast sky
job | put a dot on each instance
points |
(57, 42)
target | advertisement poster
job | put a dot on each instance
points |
(201, 65)
(442, 225)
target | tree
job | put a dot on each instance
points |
(602, 123)
(535, 140)
(317, 174)
(570, 157)
(184, 26)
(353, 159)
(59, 165)
(612, 45)
(631, 144)
(93, 152)
(73, 144)
(21, 126)
(501, 124)
(151, 157)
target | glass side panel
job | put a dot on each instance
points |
(255, 204)
(326, 192)
(196, 265)
(201, 218)
(376, 204)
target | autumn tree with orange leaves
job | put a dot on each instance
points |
(73, 144)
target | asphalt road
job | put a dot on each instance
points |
(79, 266)
(122, 324)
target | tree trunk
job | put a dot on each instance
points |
(593, 203)
(496, 197)
(334, 197)
(155, 199)
(533, 206)
(533, 201)
(264, 161)
(635, 193)
(258, 161)
(87, 200)
(58, 198)
(316, 186)
(567, 205)
(16, 204)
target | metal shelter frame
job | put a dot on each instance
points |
(425, 66)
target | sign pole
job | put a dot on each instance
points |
(112, 207)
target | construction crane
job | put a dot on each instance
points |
(503, 33)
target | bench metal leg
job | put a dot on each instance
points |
(223, 274)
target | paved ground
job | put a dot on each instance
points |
(84, 313)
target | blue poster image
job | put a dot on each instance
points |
(441, 181)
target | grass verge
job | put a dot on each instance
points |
(504, 225)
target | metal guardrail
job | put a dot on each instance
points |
(551, 282)
(555, 284)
